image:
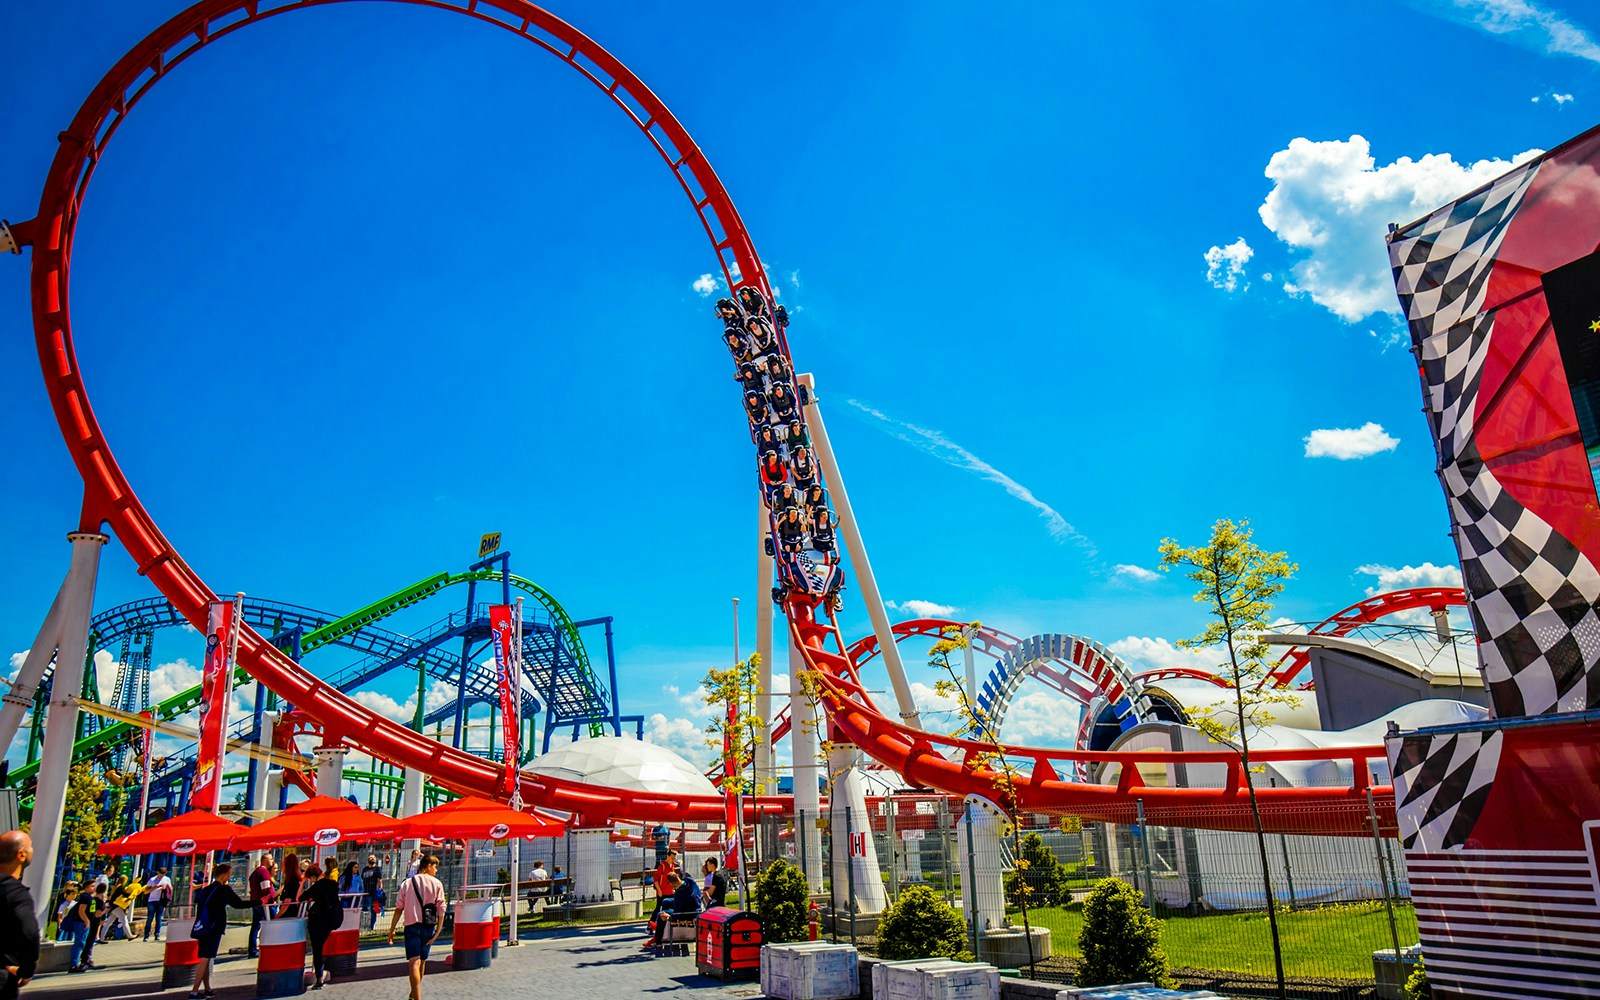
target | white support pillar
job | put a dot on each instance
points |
(411, 798)
(74, 604)
(258, 800)
(853, 873)
(766, 774)
(330, 770)
(858, 558)
(807, 797)
(590, 877)
(979, 857)
(969, 633)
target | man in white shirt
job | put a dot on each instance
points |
(159, 895)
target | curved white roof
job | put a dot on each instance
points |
(623, 762)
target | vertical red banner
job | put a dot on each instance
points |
(216, 687)
(730, 801)
(505, 627)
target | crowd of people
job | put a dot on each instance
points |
(802, 521)
(678, 895)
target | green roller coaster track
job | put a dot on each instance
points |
(377, 611)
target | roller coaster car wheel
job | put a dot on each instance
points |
(767, 544)
(779, 595)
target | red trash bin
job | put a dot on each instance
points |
(181, 958)
(727, 943)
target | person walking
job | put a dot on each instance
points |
(19, 925)
(122, 895)
(157, 897)
(423, 905)
(324, 912)
(211, 905)
(262, 893)
(84, 923)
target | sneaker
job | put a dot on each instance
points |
(316, 985)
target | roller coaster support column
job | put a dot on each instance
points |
(766, 777)
(807, 798)
(411, 803)
(330, 770)
(848, 820)
(979, 833)
(858, 558)
(66, 631)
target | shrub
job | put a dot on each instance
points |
(1120, 941)
(1043, 875)
(781, 898)
(1417, 987)
(921, 925)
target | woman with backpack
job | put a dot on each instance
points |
(324, 915)
(422, 903)
(211, 905)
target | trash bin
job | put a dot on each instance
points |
(472, 946)
(181, 958)
(339, 953)
(281, 967)
(727, 943)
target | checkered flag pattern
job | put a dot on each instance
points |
(1440, 785)
(1533, 593)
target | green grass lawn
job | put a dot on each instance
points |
(1333, 941)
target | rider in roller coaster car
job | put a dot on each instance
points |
(782, 402)
(822, 530)
(736, 345)
(778, 368)
(791, 531)
(766, 440)
(729, 313)
(815, 496)
(756, 408)
(785, 499)
(760, 333)
(753, 301)
(773, 471)
(781, 315)
(749, 376)
(795, 435)
(805, 470)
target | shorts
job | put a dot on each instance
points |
(419, 939)
(208, 945)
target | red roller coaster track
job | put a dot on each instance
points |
(924, 758)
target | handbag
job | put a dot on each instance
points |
(430, 911)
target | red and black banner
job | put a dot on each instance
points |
(505, 627)
(216, 691)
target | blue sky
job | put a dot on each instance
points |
(1071, 279)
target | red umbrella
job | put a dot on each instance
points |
(472, 818)
(323, 821)
(193, 832)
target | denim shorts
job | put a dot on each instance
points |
(419, 938)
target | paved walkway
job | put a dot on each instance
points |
(584, 962)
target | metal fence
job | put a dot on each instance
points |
(1338, 899)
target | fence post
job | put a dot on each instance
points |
(897, 856)
(947, 848)
(1283, 847)
(1383, 873)
(972, 882)
(850, 866)
(1142, 847)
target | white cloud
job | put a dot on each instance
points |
(1527, 24)
(682, 736)
(386, 706)
(794, 279)
(1561, 98)
(1406, 577)
(706, 285)
(936, 444)
(1154, 653)
(1330, 201)
(170, 679)
(1349, 442)
(1136, 572)
(1225, 265)
(923, 609)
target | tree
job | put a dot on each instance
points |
(1238, 580)
(735, 732)
(781, 898)
(82, 812)
(1120, 941)
(920, 925)
(976, 724)
(1043, 882)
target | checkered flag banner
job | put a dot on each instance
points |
(1440, 785)
(1533, 593)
